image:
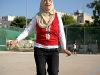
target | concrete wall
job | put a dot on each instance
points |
(23, 45)
(85, 48)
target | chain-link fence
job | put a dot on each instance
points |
(10, 33)
(2, 39)
(86, 38)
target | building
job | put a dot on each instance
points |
(79, 16)
(82, 17)
(0, 20)
(6, 20)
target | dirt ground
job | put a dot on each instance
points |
(22, 63)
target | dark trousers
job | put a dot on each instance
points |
(49, 56)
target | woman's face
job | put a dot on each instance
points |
(47, 4)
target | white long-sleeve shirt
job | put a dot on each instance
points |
(32, 26)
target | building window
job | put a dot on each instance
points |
(80, 21)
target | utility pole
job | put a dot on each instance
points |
(84, 27)
(83, 7)
(26, 13)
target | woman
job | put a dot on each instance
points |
(49, 29)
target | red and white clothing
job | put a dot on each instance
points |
(74, 46)
(46, 37)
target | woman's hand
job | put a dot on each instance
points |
(13, 43)
(67, 52)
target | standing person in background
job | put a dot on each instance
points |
(74, 48)
(50, 30)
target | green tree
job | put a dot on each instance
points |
(19, 22)
(95, 5)
(68, 19)
(87, 24)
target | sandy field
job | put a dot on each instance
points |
(22, 63)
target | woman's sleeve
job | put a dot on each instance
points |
(28, 29)
(62, 38)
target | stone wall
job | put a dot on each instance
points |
(28, 45)
(23, 45)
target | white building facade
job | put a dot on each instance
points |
(0, 21)
(79, 16)
(82, 17)
(7, 19)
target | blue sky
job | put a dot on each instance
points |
(18, 7)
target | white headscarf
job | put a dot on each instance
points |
(45, 18)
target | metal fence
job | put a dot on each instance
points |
(2, 39)
(86, 38)
(10, 33)
(7, 32)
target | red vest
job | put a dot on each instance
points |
(53, 33)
